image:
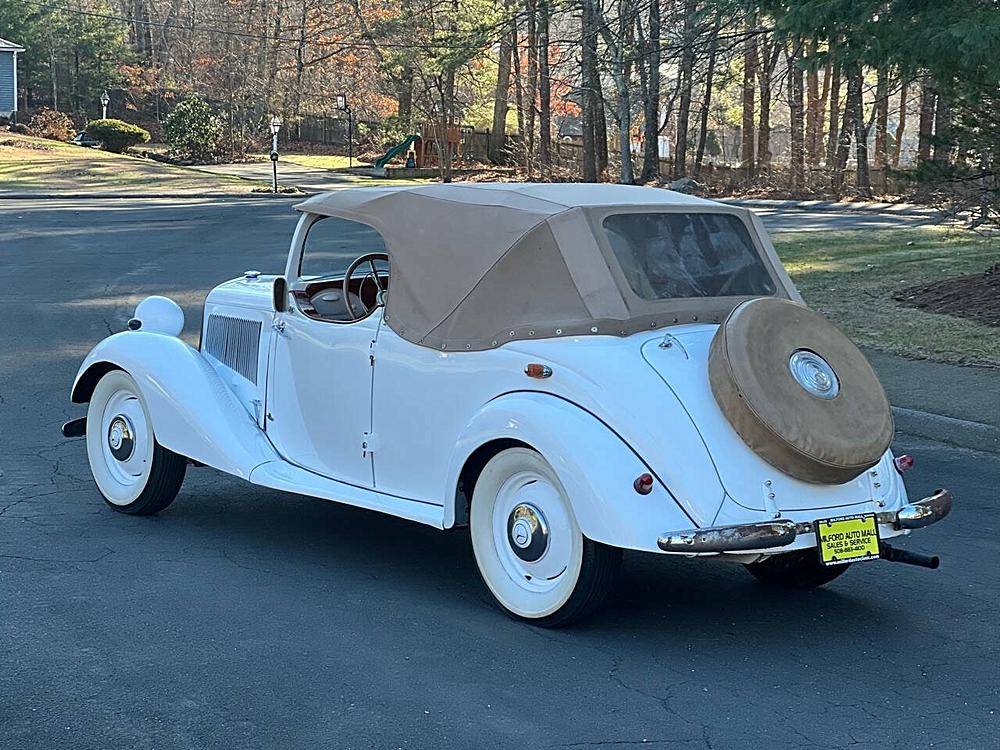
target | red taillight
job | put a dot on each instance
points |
(904, 463)
(643, 484)
(535, 370)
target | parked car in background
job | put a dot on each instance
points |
(82, 138)
(568, 370)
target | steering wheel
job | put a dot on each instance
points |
(370, 259)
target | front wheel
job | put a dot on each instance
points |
(798, 569)
(528, 546)
(133, 472)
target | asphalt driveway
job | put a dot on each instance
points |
(242, 617)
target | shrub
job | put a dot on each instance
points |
(117, 135)
(52, 124)
(20, 128)
(193, 131)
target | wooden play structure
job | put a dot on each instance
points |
(426, 147)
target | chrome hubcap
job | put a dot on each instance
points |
(814, 374)
(527, 532)
(121, 438)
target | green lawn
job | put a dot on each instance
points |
(851, 278)
(37, 165)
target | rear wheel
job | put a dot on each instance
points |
(133, 472)
(529, 549)
(799, 569)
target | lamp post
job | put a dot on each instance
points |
(275, 127)
(342, 105)
(105, 100)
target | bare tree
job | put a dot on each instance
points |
(882, 119)
(649, 68)
(749, 84)
(497, 150)
(687, 76)
(706, 101)
(770, 49)
(900, 125)
(925, 127)
(588, 93)
(796, 116)
(544, 89)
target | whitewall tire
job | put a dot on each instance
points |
(133, 472)
(529, 549)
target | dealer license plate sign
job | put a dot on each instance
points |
(848, 539)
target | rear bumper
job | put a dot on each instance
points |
(768, 535)
(924, 512)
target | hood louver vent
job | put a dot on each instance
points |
(235, 342)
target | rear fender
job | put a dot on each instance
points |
(596, 467)
(193, 412)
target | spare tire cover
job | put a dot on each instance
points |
(798, 392)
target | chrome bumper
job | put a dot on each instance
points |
(770, 534)
(923, 512)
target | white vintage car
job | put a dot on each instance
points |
(568, 370)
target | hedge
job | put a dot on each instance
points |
(117, 135)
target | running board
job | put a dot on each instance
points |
(281, 475)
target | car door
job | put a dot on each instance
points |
(319, 393)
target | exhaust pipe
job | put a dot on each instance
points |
(895, 554)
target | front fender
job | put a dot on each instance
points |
(193, 412)
(596, 467)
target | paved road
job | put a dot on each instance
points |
(242, 617)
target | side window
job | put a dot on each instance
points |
(332, 243)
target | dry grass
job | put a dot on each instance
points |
(323, 161)
(35, 165)
(852, 276)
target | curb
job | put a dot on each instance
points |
(898, 209)
(949, 430)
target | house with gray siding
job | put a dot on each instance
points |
(8, 77)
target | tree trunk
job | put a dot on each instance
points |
(765, 75)
(532, 90)
(900, 126)
(589, 83)
(601, 133)
(847, 129)
(796, 119)
(300, 67)
(855, 98)
(925, 132)
(749, 84)
(544, 91)
(687, 76)
(882, 120)
(707, 98)
(833, 137)
(497, 145)
(448, 102)
(942, 130)
(819, 147)
(519, 104)
(814, 116)
(651, 102)
(623, 117)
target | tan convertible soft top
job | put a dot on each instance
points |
(477, 265)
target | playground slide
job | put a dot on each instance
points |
(400, 148)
